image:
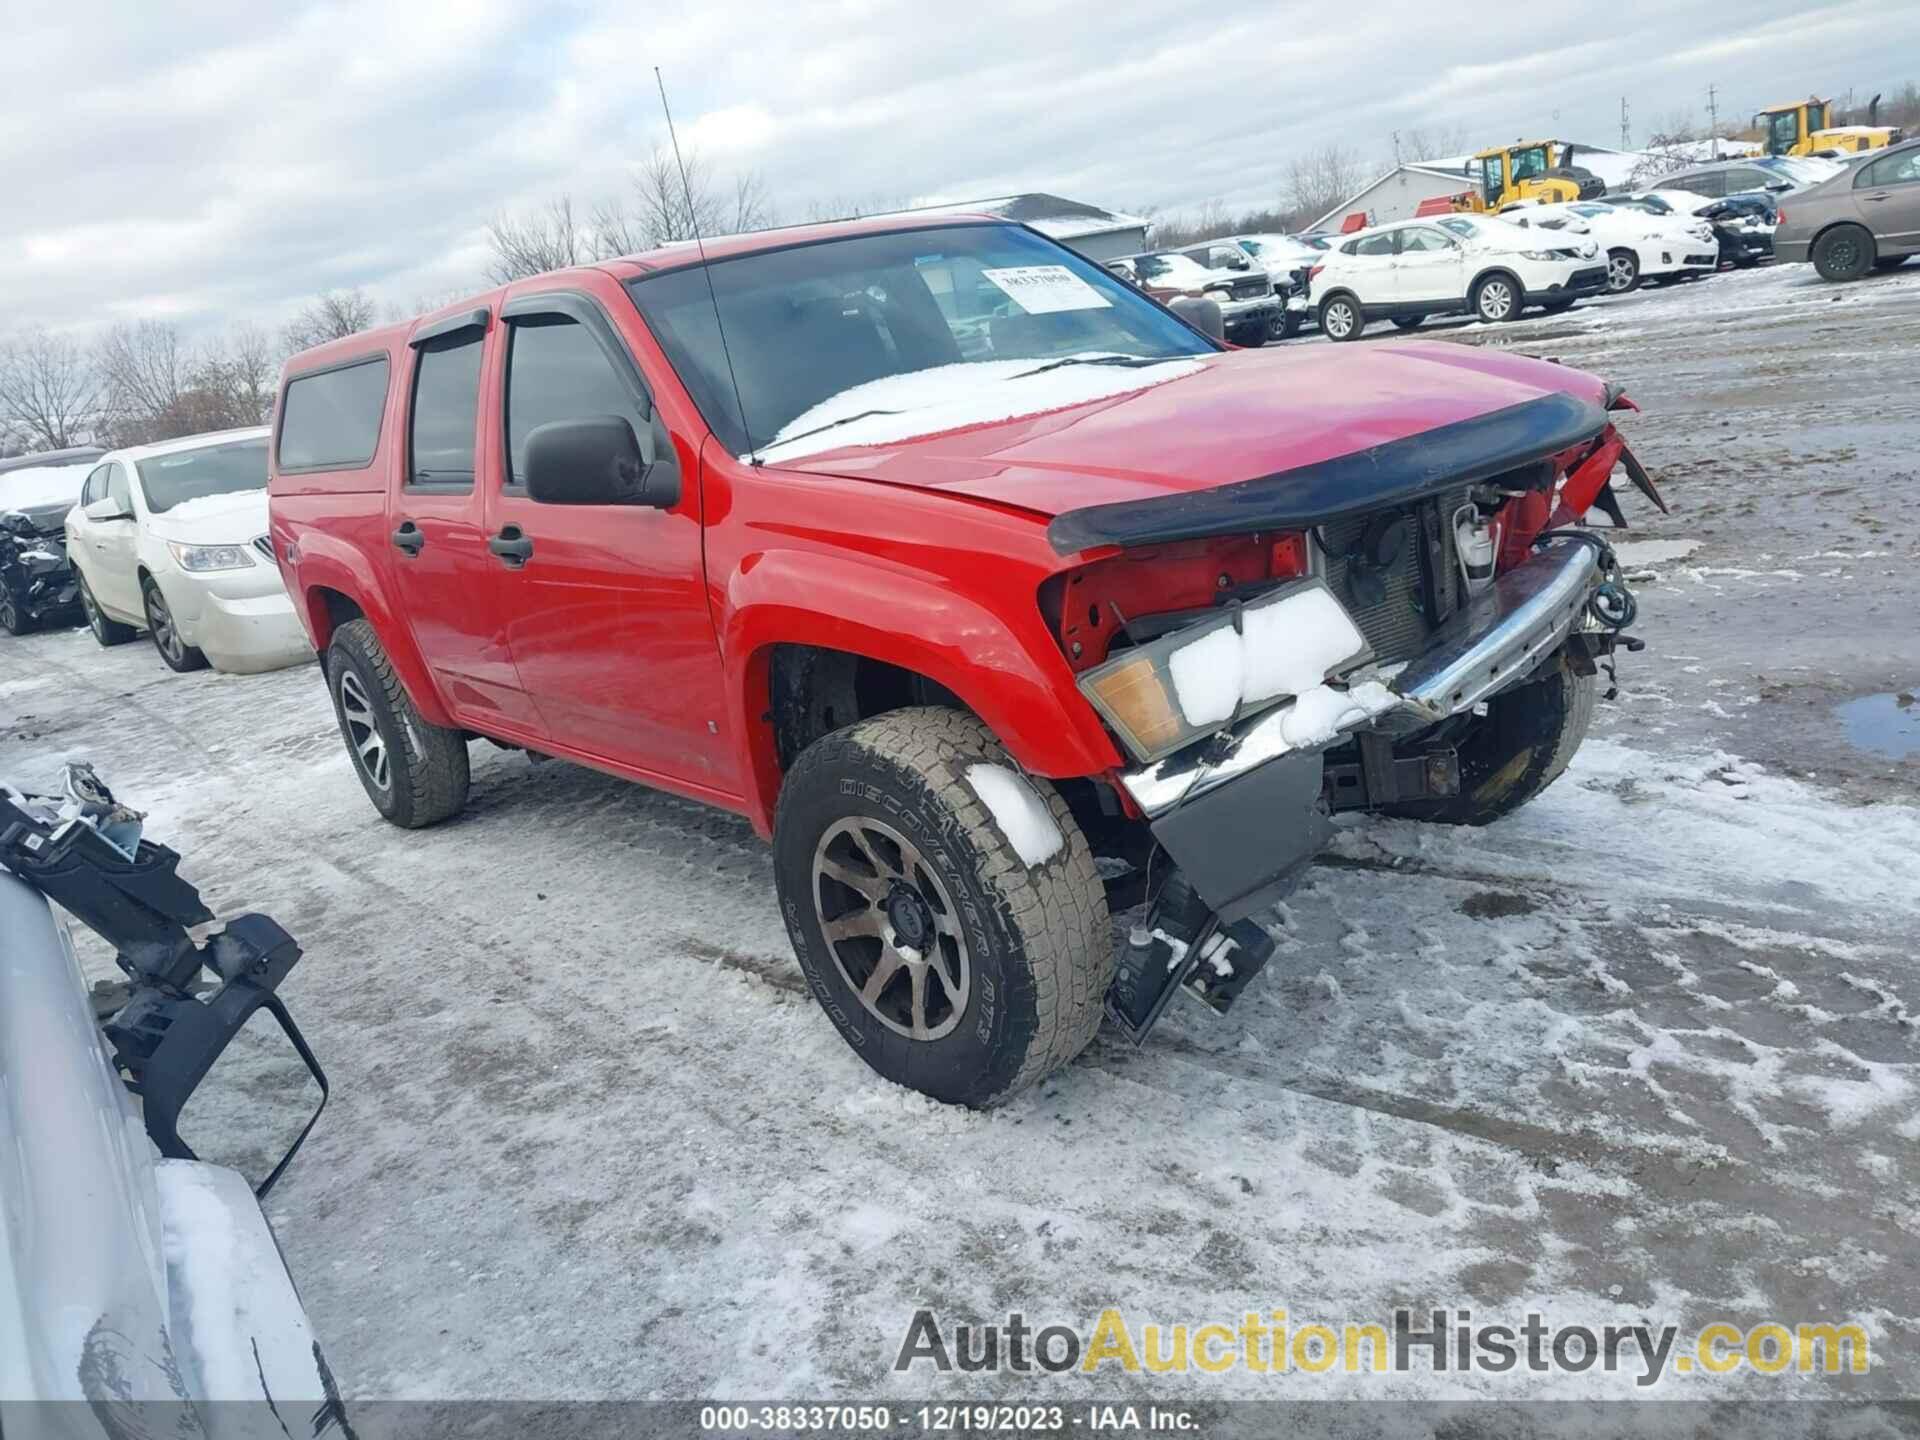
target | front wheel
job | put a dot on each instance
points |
(414, 772)
(1341, 318)
(1843, 253)
(166, 632)
(1496, 299)
(1287, 326)
(1623, 271)
(13, 619)
(1514, 751)
(944, 907)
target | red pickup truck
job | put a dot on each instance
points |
(977, 580)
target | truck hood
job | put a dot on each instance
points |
(1242, 416)
(231, 519)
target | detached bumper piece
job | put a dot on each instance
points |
(1243, 814)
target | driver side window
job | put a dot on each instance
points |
(1422, 240)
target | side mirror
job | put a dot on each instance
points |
(1234, 260)
(593, 460)
(106, 509)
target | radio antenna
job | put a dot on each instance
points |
(693, 224)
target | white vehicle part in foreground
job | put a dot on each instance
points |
(123, 1278)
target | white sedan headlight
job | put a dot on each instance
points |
(199, 559)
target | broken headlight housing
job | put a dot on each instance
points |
(199, 559)
(1165, 694)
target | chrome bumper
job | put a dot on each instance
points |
(1496, 640)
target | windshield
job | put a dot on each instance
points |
(1179, 269)
(809, 322)
(38, 485)
(168, 480)
(1783, 132)
(1460, 226)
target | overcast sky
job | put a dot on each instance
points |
(215, 162)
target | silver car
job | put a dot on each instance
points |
(1866, 217)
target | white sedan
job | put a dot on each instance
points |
(1640, 245)
(1454, 264)
(172, 539)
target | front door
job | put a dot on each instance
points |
(1428, 266)
(113, 565)
(607, 606)
(441, 569)
(1887, 194)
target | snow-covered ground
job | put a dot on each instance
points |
(1649, 1049)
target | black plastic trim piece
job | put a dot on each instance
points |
(1382, 476)
(452, 325)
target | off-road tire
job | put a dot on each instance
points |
(1623, 271)
(105, 631)
(1528, 736)
(1040, 947)
(1332, 305)
(1845, 252)
(184, 658)
(427, 764)
(1408, 322)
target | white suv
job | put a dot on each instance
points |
(1638, 245)
(1455, 264)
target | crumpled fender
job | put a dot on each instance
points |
(999, 659)
(331, 560)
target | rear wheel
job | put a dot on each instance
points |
(1623, 271)
(1514, 751)
(1843, 253)
(414, 772)
(1341, 318)
(166, 634)
(1496, 299)
(945, 907)
(107, 632)
(1409, 322)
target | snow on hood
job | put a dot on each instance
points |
(929, 402)
(233, 518)
(38, 485)
(1223, 417)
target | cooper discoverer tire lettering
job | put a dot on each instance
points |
(947, 962)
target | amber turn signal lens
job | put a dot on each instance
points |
(1134, 696)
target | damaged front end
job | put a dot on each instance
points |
(1429, 584)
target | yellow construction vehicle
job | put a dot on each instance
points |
(1800, 128)
(1526, 170)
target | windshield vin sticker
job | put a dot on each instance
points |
(1045, 289)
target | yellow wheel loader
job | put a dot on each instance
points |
(1526, 170)
(1800, 128)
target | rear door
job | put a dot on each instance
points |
(1368, 269)
(606, 604)
(447, 583)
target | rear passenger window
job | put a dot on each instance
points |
(330, 420)
(1372, 245)
(446, 407)
(556, 370)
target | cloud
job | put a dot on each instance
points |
(223, 162)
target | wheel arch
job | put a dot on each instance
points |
(333, 584)
(918, 641)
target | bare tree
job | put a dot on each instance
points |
(1432, 142)
(330, 316)
(145, 369)
(49, 392)
(1320, 180)
(541, 240)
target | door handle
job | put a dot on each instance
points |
(409, 537)
(513, 547)
(1881, 196)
